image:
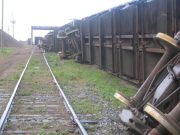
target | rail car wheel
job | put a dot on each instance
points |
(163, 39)
(170, 125)
(122, 98)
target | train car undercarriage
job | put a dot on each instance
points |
(155, 108)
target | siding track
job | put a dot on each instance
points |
(38, 104)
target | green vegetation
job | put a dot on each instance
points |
(37, 74)
(54, 133)
(11, 79)
(102, 83)
(7, 51)
(26, 127)
(24, 93)
(46, 125)
(85, 106)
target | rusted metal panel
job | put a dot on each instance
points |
(100, 41)
(107, 24)
(91, 53)
(96, 56)
(128, 63)
(127, 59)
(94, 26)
(150, 60)
(85, 27)
(154, 16)
(95, 40)
(127, 32)
(126, 22)
(86, 52)
(85, 40)
(82, 41)
(107, 53)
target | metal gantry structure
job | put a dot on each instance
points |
(41, 28)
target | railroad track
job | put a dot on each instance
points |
(38, 105)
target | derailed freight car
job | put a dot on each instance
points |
(121, 39)
(65, 40)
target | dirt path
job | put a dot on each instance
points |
(10, 69)
(20, 56)
(38, 108)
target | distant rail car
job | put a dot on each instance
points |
(119, 40)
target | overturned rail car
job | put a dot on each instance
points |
(123, 40)
(120, 40)
(65, 40)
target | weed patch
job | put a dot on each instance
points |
(7, 51)
(85, 106)
(104, 84)
(24, 93)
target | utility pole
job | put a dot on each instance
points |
(2, 20)
(13, 21)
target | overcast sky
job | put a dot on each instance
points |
(49, 13)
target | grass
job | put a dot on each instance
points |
(54, 133)
(26, 127)
(85, 106)
(102, 83)
(24, 93)
(46, 125)
(35, 71)
(13, 77)
(37, 77)
(7, 51)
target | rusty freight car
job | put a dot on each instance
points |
(121, 39)
(124, 41)
(65, 39)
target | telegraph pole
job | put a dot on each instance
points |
(13, 21)
(2, 20)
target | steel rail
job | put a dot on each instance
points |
(6, 112)
(83, 131)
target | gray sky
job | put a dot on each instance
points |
(49, 13)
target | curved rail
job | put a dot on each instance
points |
(6, 112)
(83, 131)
